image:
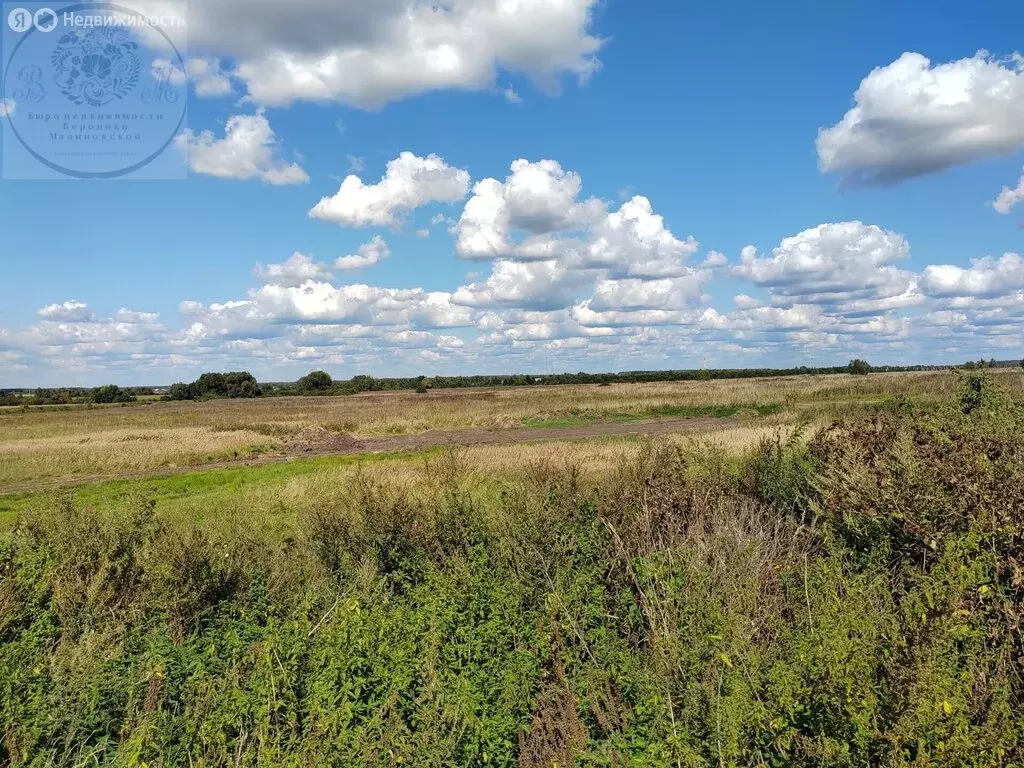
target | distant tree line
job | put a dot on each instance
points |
(977, 365)
(242, 384)
(321, 383)
(107, 394)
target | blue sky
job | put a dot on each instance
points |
(836, 166)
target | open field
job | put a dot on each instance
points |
(40, 445)
(788, 572)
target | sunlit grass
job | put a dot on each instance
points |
(77, 442)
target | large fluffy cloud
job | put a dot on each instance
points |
(515, 218)
(911, 117)
(369, 53)
(551, 247)
(533, 285)
(634, 242)
(986, 278)
(666, 293)
(408, 183)
(849, 265)
(537, 213)
(247, 151)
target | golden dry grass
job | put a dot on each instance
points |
(114, 451)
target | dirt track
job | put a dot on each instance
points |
(333, 444)
(468, 437)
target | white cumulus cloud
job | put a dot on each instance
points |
(295, 271)
(369, 254)
(209, 78)
(912, 117)
(838, 264)
(988, 277)
(531, 285)
(665, 293)
(634, 242)
(514, 218)
(408, 183)
(1008, 198)
(70, 311)
(247, 151)
(367, 54)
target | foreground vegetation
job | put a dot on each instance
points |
(848, 597)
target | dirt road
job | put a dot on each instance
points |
(309, 444)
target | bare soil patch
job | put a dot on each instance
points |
(319, 440)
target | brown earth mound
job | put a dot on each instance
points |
(320, 440)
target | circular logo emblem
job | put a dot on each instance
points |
(45, 20)
(20, 20)
(101, 97)
(96, 67)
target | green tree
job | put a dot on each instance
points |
(364, 383)
(182, 391)
(317, 381)
(111, 393)
(859, 367)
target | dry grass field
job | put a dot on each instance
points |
(47, 444)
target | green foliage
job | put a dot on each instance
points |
(63, 396)
(10, 398)
(859, 367)
(211, 385)
(979, 395)
(853, 601)
(111, 393)
(315, 382)
(778, 471)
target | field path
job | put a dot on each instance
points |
(332, 444)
